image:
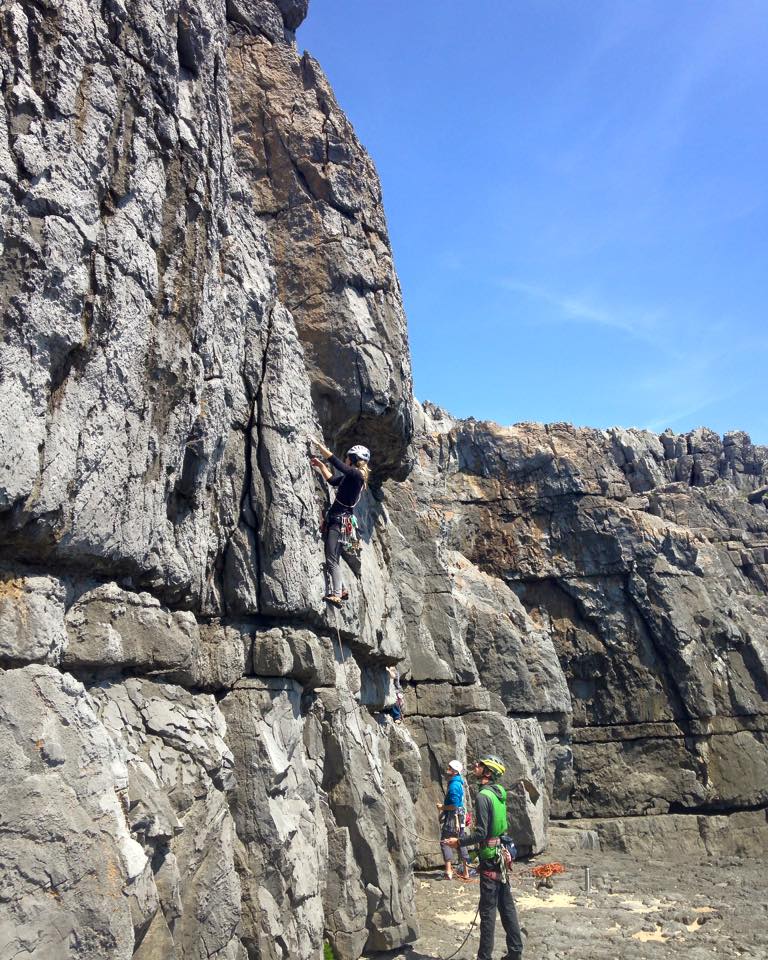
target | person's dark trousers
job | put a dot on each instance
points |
(333, 581)
(497, 896)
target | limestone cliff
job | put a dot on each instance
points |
(613, 585)
(196, 274)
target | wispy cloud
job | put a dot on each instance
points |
(696, 384)
(681, 415)
(566, 307)
(682, 374)
(632, 151)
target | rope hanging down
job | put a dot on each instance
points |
(541, 871)
(469, 934)
(364, 742)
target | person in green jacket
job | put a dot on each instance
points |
(490, 825)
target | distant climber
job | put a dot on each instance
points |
(452, 812)
(338, 527)
(489, 828)
(396, 709)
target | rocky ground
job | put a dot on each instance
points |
(637, 910)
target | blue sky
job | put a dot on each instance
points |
(577, 196)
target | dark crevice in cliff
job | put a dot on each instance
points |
(257, 425)
(675, 809)
(636, 589)
(683, 722)
(716, 809)
(443, 716)
(540, 716)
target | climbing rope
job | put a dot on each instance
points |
(469, 934)
(540, 871)
(545, 870)
(377, 778)
(364, 742)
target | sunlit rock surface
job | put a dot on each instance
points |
(196, 274)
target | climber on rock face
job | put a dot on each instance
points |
(490, 825)
(350, 481)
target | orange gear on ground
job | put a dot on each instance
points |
(547, 870)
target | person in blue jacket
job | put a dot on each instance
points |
(452, 818)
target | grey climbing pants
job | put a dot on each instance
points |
(494, 896)
(333, 581)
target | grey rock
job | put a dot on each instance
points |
(652, 837)
(293, 11)
(321, 199)
(279, 820)
(71, 868)
(369, 798)
(221, 658)
(301, 654)
(447, 700)
(108, 627)
(523, 750)
(172, 742)
(197, 275)
(31, 619)
(651, 590)
(258, 17)
(344, 901)
(282, 489)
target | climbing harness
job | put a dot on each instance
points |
(507, 855)
(349, 538)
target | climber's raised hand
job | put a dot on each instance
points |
(325, 452)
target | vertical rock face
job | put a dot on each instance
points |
(318, 194)
(185, 216)
(195, 275)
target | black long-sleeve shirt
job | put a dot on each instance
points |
(349, 485)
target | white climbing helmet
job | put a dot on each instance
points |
(359, 452)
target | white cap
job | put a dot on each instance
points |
(455, 765)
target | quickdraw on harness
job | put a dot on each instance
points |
(505, 857)
(349, 539)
